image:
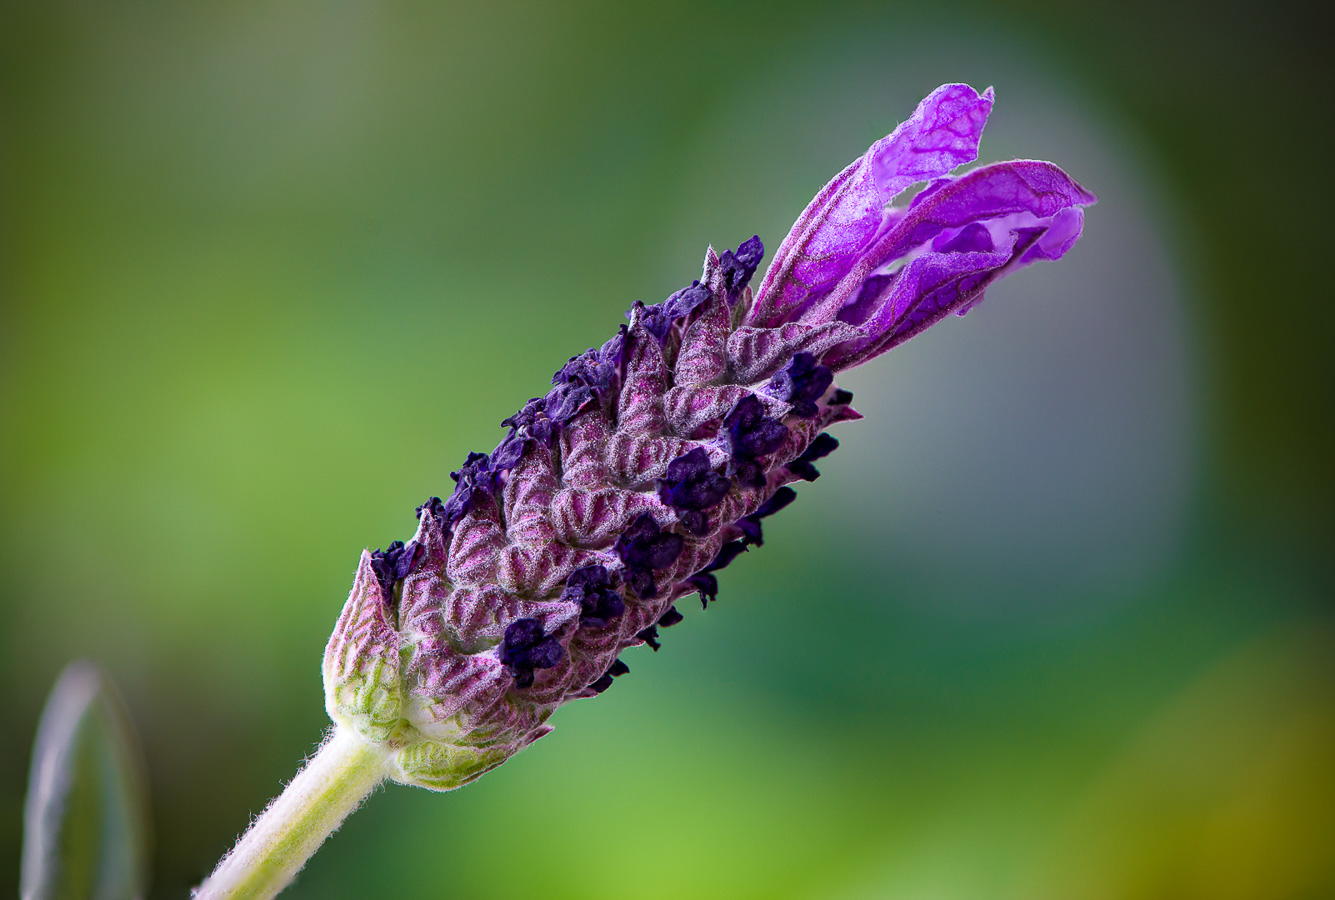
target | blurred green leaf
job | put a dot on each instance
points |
(86, 828)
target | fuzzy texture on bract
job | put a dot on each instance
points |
(651, 462)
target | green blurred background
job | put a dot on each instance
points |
(1057, 621)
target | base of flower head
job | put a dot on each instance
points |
(444, 767)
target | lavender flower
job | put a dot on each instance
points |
(651, 462)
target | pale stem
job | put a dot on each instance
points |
(332, 784)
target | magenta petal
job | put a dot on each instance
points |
(1060, 237)
(949, 277)
(992, 206)
(845, 217)
(942, 134)
(923, 292)
(988, 192)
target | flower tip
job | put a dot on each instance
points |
(1061, 235)
(957, 97)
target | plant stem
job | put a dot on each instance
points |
(333, 783)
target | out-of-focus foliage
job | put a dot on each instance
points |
(85, 821)
(1054, 622)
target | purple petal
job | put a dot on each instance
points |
(750, 527)
(836, 228)
(824, 444)
(643, 547)
(692, 487)
(802, 383)
(591, 588)
(969, 233)
(737, 268)
(988, 192)
(526, 647)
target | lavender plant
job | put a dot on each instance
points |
(648, 467)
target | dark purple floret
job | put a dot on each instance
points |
(383, 564)
(706, 584)
(407, 559)
(654, 319)
(508, 452)
(802, 383)
(667, 620)
(566, 400)
(532, 421)
(726, 554)
(598, 610)
(841, 397)
(433, 506)
(588, 368)
(821, 447)
(782, 497)
(393, 564)
(750, 525)
(751, 434)
(692, 487)
(740, 266)
(659, 318)
(644, 544)
(645, 547)
(526, 648)
(591, 587)
(594, 373)
(683, 302)
(474, 476)
(604, 681)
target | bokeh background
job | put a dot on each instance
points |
(1055, 623)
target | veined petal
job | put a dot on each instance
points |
(937, 219)
(988, 192)
(964, 236)
(845, 217)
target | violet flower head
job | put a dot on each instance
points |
(651, 462)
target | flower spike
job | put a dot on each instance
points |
(650, 464)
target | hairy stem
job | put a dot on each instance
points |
(333, 783)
